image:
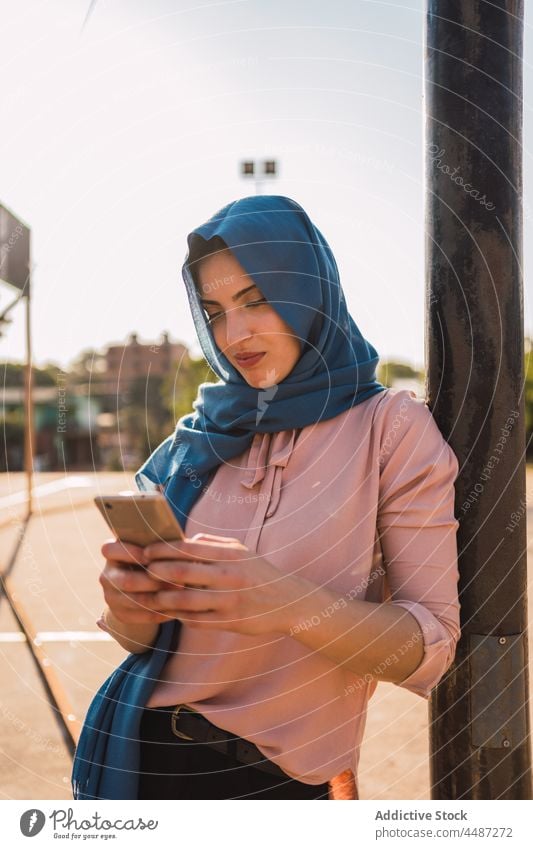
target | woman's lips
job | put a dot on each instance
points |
(249, 361)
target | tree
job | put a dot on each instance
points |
(13, 375)
(87, 366)
(153, 404)
(12, 454)
(392, 370)
(179, 390)
(143, 415)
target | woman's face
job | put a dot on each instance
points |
(246, 329)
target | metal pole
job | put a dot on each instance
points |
(28, 406)
(479, 716)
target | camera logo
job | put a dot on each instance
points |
(266, 394)
(32, 822)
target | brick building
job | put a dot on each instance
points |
(127, 362)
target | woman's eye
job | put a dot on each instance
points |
(214, 316)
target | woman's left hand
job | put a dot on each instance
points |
(241, 591)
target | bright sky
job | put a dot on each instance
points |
(119, 139)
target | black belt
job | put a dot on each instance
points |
(188, 724)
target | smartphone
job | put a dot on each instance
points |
(140, 517)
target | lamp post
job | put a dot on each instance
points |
(259, 170)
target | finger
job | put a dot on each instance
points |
(190, 549)
(125, 552)
(204, 621)
(138, 615)
(135, 606)
(213, 575)
(179, 601)
(125, 580)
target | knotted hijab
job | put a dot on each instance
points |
(287, 257)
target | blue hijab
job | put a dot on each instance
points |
(285, 254)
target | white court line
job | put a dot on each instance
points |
(69, 636)
(46, 489)
(56, 637)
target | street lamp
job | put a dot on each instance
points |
(259, 170)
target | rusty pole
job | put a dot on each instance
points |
(29, 431)
(479, 719)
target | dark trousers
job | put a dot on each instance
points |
(173, 768)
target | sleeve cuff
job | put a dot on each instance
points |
(439, 651)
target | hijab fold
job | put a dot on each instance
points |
(287, 257)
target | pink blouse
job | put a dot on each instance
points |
(362, 504)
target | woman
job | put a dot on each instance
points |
(338, 495)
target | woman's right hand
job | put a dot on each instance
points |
(126, 584)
